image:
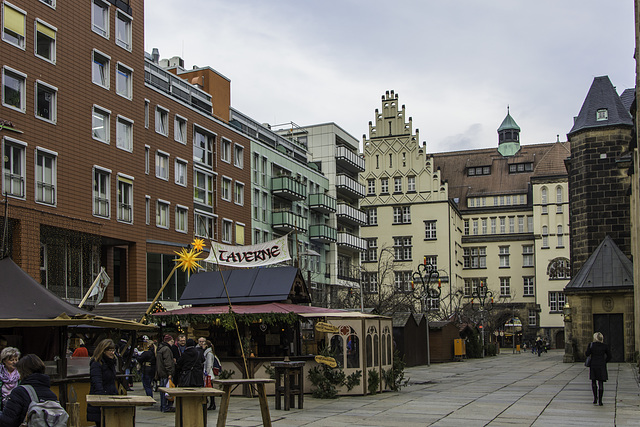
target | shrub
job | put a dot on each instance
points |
(373, 381)
(394, 377)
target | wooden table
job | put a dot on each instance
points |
(293, 373)
(118, 410)
(191, 404)
(227, 386)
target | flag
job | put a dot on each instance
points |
(103, 281)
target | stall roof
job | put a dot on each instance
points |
(246, 286)
(26, 302)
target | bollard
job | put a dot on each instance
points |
(73, 409)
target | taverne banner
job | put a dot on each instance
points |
(258, 255)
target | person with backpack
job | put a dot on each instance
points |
(33, 398)
(102, 371)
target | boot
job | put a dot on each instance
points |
(212, 404)
(594, 388)
(600, 393)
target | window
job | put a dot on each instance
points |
(402, 281)
(46, 177)
(146, 159)
(372, 216)
(545, 236)
(101, 193)
(371, 187)
(411, 184)
(182, 223)
(527, 283)
(51, 3)
(205, 226)
(225, 150)
(124, 137)
(473, 285)
(46, 102)
(503, 225)
(45, 46)
(162, 121)
(146, 113)
(227, 228)
(402, 214)
(520, 224)
(256, 206)
(543, 199)
(602, 114)
(527, 255)
(474, 225)
(371, 254)
(162, 165)
(100, 18)
(480, 170)
(430, 230)
(13, 29)
(512, 224)
(475, 257)
(202, 147)
(397, 184)
(370, 282)
(556, 302)
(530, 223)
(238, 156)
(180, 172)
(203, 187)
(264, 173)
(147, 210)
(504, 256)
(123, 30)
(484, 225)
(100, 69)
(13, 89)
(402, 249)
(100, 125)
(466, 227)
(14, 168)
(560, 237)
(180, 129)
(125, 199)
(239, 234)
(226, 189)
(493, 225)
(162, 214)
(505, 286)
(384, 185)
(559, 269)
(431, 260)
(559, 199)
(239, 194)
(123, 81)
(406, 214)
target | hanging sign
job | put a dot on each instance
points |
(326, 327)
(329, 361)
(258, 255)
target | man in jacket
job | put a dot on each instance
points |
(165, 366)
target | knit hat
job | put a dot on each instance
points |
(167, 338)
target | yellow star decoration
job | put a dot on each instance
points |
(198, 244)
(188, 259)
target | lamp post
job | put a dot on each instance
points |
(485, 304)
(427, 274)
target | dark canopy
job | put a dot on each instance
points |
(247, 286)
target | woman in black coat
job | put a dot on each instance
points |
(600, 355)
(190, 367)
(31, 369)
(102, 370)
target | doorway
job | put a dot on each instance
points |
(119, 274)
(611, 326)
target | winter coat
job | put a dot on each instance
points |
(103, 381)
(15, 409)
(190, 368)
(165, 366)
(600, 355)
(147, 362)
(210, 361)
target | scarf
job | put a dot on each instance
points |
(9, 381)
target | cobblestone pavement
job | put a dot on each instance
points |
(506, 390)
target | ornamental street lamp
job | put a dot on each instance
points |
(426, 274)
(485, 304)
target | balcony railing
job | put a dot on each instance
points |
(288, 188)
(288, 221)
(350, 214)
(350, 241)
(348, 185)
(322, 203)
(349, 160)
(323, 233)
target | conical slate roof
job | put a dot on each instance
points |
(602, 95)
(607, 268)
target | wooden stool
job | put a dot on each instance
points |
(118, 410)
(293, 374)
(227, 386)
(191, 404)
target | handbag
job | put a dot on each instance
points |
(587, 362)
(207, 381)
(170, 384)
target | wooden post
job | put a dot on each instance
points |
(73, 409)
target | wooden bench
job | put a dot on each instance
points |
(293, 373)
(191, 404)
(229, 385)
(118, 410)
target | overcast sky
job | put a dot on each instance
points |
(456, 65)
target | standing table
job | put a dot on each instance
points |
(293, 373)
(227, 386)
(118, 410)
(191, 404)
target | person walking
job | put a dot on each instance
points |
(165, 369)
(147, 360)
(211, 369)
(600, 356)
(190, 367)
(102, 371)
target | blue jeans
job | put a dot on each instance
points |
(164, 403)
(146, 383)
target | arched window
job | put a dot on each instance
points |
(372, 346)
(545, 236)
(369, 349)
(353, 351)
(386, 336)
(337, 349)
(559, 199)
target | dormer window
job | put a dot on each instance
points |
(602, 114)
(479, 170)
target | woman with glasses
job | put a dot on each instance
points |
(102, 370)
